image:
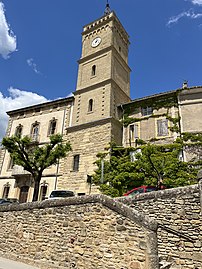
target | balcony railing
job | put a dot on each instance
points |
(19, 170)
(35, 137)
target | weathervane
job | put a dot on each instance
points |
(107, 9)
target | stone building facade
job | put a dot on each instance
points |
(161, 118)
(94, 115)
(38, 122)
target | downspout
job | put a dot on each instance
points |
(180, 124)
(123, 133)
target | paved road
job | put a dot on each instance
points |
(8, 264)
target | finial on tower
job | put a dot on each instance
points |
(107, 9)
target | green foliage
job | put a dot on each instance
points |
(153, 166)
(33, 157)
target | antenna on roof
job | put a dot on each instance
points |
(107, 9)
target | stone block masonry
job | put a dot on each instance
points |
(178, 213)
(91, 232)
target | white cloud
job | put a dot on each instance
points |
(197, 2)
(7, 38)
(16, 99)
(188, 14)
(32, 64)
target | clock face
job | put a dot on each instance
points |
(96, 42)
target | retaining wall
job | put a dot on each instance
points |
(91, 232)
(178, 213)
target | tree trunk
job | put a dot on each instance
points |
(159, 183)
(37, 180)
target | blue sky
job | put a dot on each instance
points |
(40, 43)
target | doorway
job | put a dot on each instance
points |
(23, 194)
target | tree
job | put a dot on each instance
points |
(35, 158)
(151, 164)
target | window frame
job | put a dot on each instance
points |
(146, 111)
(93, 70)
(76, 162)
(35, 137)
(159, 129)
(90, 105)
(42, 197)
(54, 120)
(6, 189)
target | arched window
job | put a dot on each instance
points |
(43, 191)
(52, 127)
(18, 130)
(6, 191)
(93, 70)
(35, 131)
(90, 105)
(76, 162)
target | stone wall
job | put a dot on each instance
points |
(80, 232)
(179, 218)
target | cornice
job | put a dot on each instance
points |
(49, 103)
(91, 124)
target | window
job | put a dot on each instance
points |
(35, 131)
(133, 132)
(146, 111)
(90, 105)
(52, 127)
(162, 127)
(76, 162)
(93, 73)
(6, 191)
(23, 194)
(43, 192)
(18, 130)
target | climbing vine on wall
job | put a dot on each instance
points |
(156, 104)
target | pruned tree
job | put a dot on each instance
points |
(150, 164)
(35, 158)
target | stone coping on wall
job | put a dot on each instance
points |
(113, 204)
(162, 194)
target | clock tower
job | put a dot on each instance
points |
(103, 74)
(103, 83)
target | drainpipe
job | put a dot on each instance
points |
(123, 133)
(180, 125)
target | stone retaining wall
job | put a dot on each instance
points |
(91, 232)
(178, 213)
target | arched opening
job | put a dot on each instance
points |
(6, 191)
(23, 194)
(93, 73)
(35, 132)
(43, 192)
(90, 105)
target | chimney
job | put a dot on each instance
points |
(185, 84)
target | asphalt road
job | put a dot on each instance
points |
(8, 264)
